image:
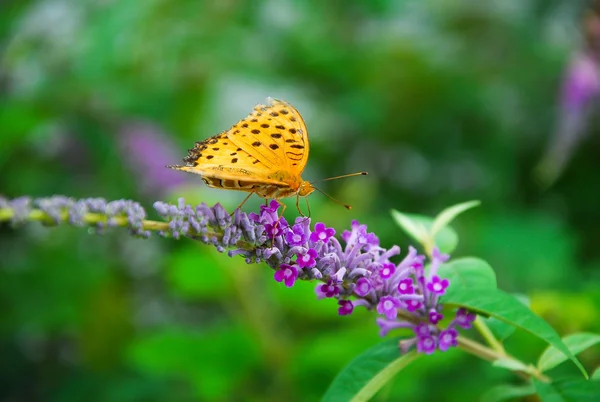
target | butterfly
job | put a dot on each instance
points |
(263, 154)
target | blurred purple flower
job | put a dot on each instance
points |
(581, 83)
(464, 318)
(579, 96)
(147, 150)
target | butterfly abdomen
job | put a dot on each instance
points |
(229, 184)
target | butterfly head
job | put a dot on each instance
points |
(305, 189)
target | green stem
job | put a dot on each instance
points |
(492, 355)
(489, 337)
(90, 218)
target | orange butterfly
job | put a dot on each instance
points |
(263, 154)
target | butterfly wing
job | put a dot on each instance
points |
(219, 158)
(275, 135)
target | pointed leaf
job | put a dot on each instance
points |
(469, 273)
(418, 227)
(369, 372)
(411, 226)
(576, 343)
(568, 390)
(507, 308)
(506, 392)
(448, 214)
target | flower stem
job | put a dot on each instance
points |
(489, 337)
(90, 218)
(492, 355)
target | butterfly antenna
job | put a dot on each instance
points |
(335, 178)
(331, 198)
(345, 175)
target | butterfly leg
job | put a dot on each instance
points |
(300, 211)
(298, 205)
(307, 206)
(243, 202)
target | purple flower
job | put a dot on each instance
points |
(437, 285)
(426, 345)
(405, 286)
(387, 271)
(426, 342)
(321, 233)
(412, 305)
(146, 150)
(386, 325)
(464, 318)
(307, 259)
(276, 229)
(422, 330)
(447, 339)
(329, 289)
(435, 317)
(286, 273)
(582, 82)
(389, 306)
(296, 236)
(363, 287)
(346, 307)
(360, 236)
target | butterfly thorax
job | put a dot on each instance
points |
(294, 185)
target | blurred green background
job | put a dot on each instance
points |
(441, 101)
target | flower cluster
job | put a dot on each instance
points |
(358, 272)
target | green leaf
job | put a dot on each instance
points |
(469, 273)
(369, 372)
(501, 329)
(511, 364)
(506, 392)
(413, 227)
(495, 303)
(568, 390)
(418, 227)
(448, 214)
(596, 375)
(575, 342)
